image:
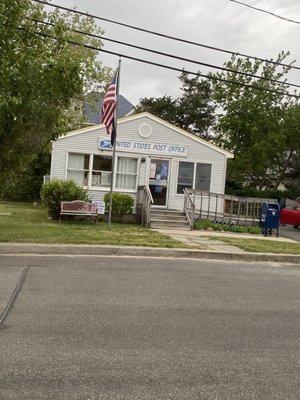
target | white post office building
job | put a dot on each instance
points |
(149, 152)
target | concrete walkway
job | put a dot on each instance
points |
(205, 239)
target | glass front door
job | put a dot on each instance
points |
(158, 180)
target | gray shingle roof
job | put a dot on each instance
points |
(92, 109)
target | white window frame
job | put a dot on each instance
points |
(136, 174)
(211, 174)
(91, 187)
(76, 169)
(194, 174)
(192, 162)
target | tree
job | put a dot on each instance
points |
(259, 127)
(42, 75)
(289, 167)
(24, 184)
(193, 111)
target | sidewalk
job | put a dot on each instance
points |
(49, 250)
(198, 238)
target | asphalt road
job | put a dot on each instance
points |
(93, 328)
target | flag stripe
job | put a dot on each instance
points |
(109, 117)
(108, 111)
(109, 105)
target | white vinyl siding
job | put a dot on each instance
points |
(86, 142)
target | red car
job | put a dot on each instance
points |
(290, 214)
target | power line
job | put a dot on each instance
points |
(211, 77)
(164, 35)
(170, 55)
(265, 11)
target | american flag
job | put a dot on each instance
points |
(109, 106)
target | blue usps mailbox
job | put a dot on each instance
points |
(269, 218)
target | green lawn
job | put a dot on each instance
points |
(23, 223)
(262, 246)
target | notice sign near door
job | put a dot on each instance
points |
(100, 206)
(132, 146)
(152, 171)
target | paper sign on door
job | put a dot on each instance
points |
(152, 170)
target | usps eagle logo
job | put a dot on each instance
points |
(104, 144)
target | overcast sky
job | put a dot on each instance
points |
(215, 22)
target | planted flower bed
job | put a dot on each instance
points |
(205, 225)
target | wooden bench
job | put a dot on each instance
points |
(79, 208)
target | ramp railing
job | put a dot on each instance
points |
(223, 208)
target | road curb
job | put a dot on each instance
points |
(85, 250)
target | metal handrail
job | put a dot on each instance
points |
(149, 193)
(189, 208)
(147, 200)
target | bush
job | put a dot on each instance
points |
(205, 224)
(121, 205)
(56, 191)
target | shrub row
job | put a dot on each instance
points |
(207, 224)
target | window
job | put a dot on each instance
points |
(126, 174)
(185, 176)
(78, 168)
(101, 173)
(203, 176)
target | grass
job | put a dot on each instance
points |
(207, 224)
(262, 246)
(23, 223)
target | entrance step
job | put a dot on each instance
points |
(165, 212)
(168, 217)
(181, 221)
(185, 227)
(162, 218)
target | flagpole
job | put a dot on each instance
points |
(114, 146)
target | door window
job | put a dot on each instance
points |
(158, 180)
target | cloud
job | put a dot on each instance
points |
(220, 23)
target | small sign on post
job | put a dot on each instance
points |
(100, 207)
